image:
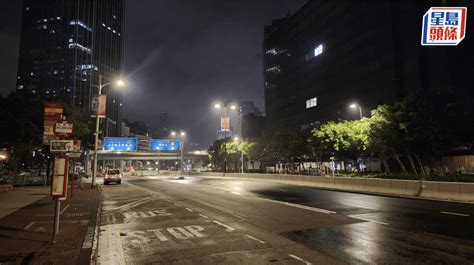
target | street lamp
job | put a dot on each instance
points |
(118, 83)
(355, 106)
(225, 105)
(181, 136)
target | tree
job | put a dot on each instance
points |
(21, 126)
(346, 138)
(289, 146)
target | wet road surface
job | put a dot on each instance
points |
(207, 221)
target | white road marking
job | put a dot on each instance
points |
(256, 239)
(189, 210)
(369, 220)
(319, 210)
(300, 259)
(458, 214)
(135, 203)
(229, 229)
(202, 215)
(236, 193)
(29, 225)
(64, 209)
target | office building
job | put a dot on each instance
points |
(67, 47)
(332, 53)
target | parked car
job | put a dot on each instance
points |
(112, 175)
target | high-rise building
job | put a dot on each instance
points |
(67, 47)
(332, 53)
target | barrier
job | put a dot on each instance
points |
(452, 191)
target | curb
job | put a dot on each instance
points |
(6, 187)
(89, 246)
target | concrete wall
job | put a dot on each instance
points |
(453, 191)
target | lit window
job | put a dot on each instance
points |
(58, 18)
(70, 40)
(20, 87)
(311, 103)
(45, 26)
(316, 52)
(103, 25)
(80, 47)
(32, 74)
(55, 72)
(27, 8)
(80, 23)
(18, 77)
(45, 20)
(274, 69)
(109, 28)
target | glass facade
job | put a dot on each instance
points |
(67, 47)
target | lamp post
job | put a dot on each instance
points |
(225, 106)
(181, 136)
(119, 83)
(356, 106)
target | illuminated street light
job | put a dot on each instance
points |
(232, 106)
(118, 83)
(182, 134)
(355, 106)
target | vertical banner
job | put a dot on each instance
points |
(60, 177)
(225, 123)
(98, 105)
(52, 114)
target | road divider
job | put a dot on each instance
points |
(449, 191)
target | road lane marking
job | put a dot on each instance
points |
(458, 214)
(189, 210)
(64, 209)
(256, 239)
(135, 203)
(228, 228)
(202, 215)
(29, 225)
(314, 209)
(236, 193)
(369, 220)
(300, 259)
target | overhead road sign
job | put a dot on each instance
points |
(120, 144)
(165, 145)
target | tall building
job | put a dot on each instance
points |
(332, 53)
(67, 46)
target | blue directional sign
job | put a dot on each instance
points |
(120, 144)
(165, 145)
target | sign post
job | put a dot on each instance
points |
(59, 188)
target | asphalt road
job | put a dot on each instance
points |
(197, 220)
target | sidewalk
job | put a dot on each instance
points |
(26, 235)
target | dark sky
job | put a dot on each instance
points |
(180, 56)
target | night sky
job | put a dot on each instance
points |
(180, 56)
